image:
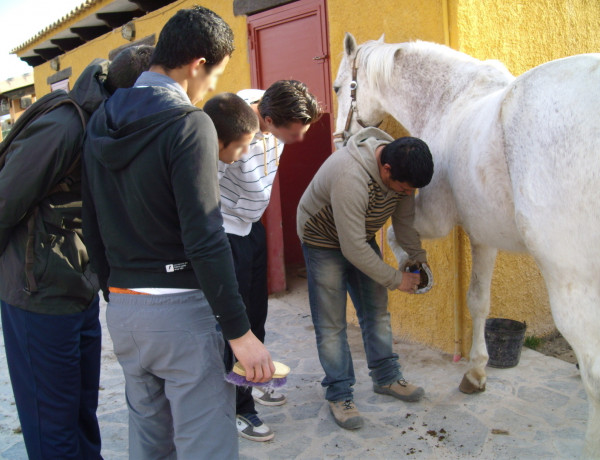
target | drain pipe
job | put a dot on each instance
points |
(458, 319)
(457, 297)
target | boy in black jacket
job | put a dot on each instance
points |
(152, 218)
(50, 319)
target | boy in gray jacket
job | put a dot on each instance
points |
(338, 217)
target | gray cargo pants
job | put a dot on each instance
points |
(172, 355)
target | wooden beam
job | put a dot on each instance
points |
(67, 44)
(48, 53)
(91, 32)
(117, 19)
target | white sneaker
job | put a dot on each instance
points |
(251, 427)
(267, 396)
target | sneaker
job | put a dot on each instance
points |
(400, 389)
(267, 396)
(251, 427)
(346, 414)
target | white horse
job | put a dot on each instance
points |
(517, 165)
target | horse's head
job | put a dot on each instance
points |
(353, 90)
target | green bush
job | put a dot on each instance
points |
(533, 342)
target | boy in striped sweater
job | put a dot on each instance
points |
(285, 112)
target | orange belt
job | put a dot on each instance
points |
(117, 290)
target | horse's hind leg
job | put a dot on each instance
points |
(478, 300)
(575, 301)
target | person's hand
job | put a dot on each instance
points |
(424, 272)
(410, 282)
(254, 356)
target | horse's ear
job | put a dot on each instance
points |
(381, 39)
(349, 44)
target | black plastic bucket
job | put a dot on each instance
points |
(504, 339)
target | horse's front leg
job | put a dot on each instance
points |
(478, 300)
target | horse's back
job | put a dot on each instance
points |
(551, 132)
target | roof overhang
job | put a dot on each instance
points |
(50, 43)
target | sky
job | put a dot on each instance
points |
(21, 20)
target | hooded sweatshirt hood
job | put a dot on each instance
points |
(121, 134)
(89, 91)
(362, 145)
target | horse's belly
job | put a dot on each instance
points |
(499, 231)
(480, 180)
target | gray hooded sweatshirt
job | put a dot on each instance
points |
(346, 203)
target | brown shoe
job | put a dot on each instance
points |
(400, 389)
(346, 414)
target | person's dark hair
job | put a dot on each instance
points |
(192, 34)
(410, 161)
(289, 101)
(232, 117)
(127, 66)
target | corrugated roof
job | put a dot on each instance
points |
(55, 25)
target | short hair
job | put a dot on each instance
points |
(232, 117)
(289, 101)
(127, 66)
(192, 34)
(410, 161)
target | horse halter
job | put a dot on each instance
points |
(345, 135)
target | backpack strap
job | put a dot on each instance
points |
(66, 182)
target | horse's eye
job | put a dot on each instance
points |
(336, 89)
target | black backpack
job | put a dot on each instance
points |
(38, 109)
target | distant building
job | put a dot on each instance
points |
(16, 94)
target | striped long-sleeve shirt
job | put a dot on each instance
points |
(246, 184)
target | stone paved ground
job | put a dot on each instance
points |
(536, 410)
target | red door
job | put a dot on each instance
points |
(291, 42)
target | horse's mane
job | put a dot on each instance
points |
(378, 60)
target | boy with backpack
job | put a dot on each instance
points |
(49, 295)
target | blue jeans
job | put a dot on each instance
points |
(330, 278)
(54, 366)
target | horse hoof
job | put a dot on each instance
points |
(468, 387)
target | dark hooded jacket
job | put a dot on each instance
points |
(37, 160)
(151, 200)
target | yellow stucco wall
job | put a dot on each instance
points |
(237, 77)
(427, 318)
(521, 35)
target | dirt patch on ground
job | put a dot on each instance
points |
(556, 345)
